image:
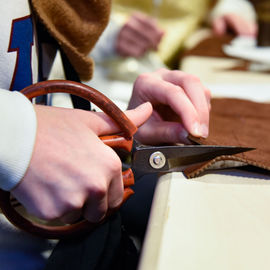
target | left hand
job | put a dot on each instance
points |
(139, 35)
(235, 22)
(181, 105)
(72, 173)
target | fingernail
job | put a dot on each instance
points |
(196, 130)
(204, 131)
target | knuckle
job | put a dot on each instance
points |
(47, 214)
(192, 78)
(142, 77)
(98, 190)
(64, 206)
(74, 203)
(115, 165)
(175, 92)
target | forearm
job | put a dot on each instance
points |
(18, 132)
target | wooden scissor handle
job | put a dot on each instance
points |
(115, 141)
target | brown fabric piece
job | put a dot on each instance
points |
(211, 47)
(76, 25)
(239, 123)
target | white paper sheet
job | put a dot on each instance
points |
(245, 48)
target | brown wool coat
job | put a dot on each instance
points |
(76, 25)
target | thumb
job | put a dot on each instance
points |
(102, 124)
(140, 114)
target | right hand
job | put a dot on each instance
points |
(181, 106)
(138, 35)
(72, 173)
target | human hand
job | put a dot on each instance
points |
(238, 24)
(72, 173)
(181, 105)
(138, 35)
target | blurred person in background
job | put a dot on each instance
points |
(144, 35)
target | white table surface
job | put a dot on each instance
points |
(217, 221)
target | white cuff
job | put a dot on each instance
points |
(18, 132)
(241, 7)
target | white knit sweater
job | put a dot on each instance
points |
(18, 68)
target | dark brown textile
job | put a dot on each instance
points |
(262, 8)
(211, 47)
(239, 123)
(76, 25)
(263, 39)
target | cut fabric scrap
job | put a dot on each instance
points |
(237, 122)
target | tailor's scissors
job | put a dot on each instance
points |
(153, 159)
(144, 159)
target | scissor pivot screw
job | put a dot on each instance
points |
(157, 160)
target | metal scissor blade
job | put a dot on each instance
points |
(149, 159)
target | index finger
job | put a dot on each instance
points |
(103, 124)
(198, 95)
(169, 90)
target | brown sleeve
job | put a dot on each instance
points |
(76, 25)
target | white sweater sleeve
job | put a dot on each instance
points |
(18, 132)
(105, 47)
(241, 7)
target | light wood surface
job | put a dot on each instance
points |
(217, 221)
